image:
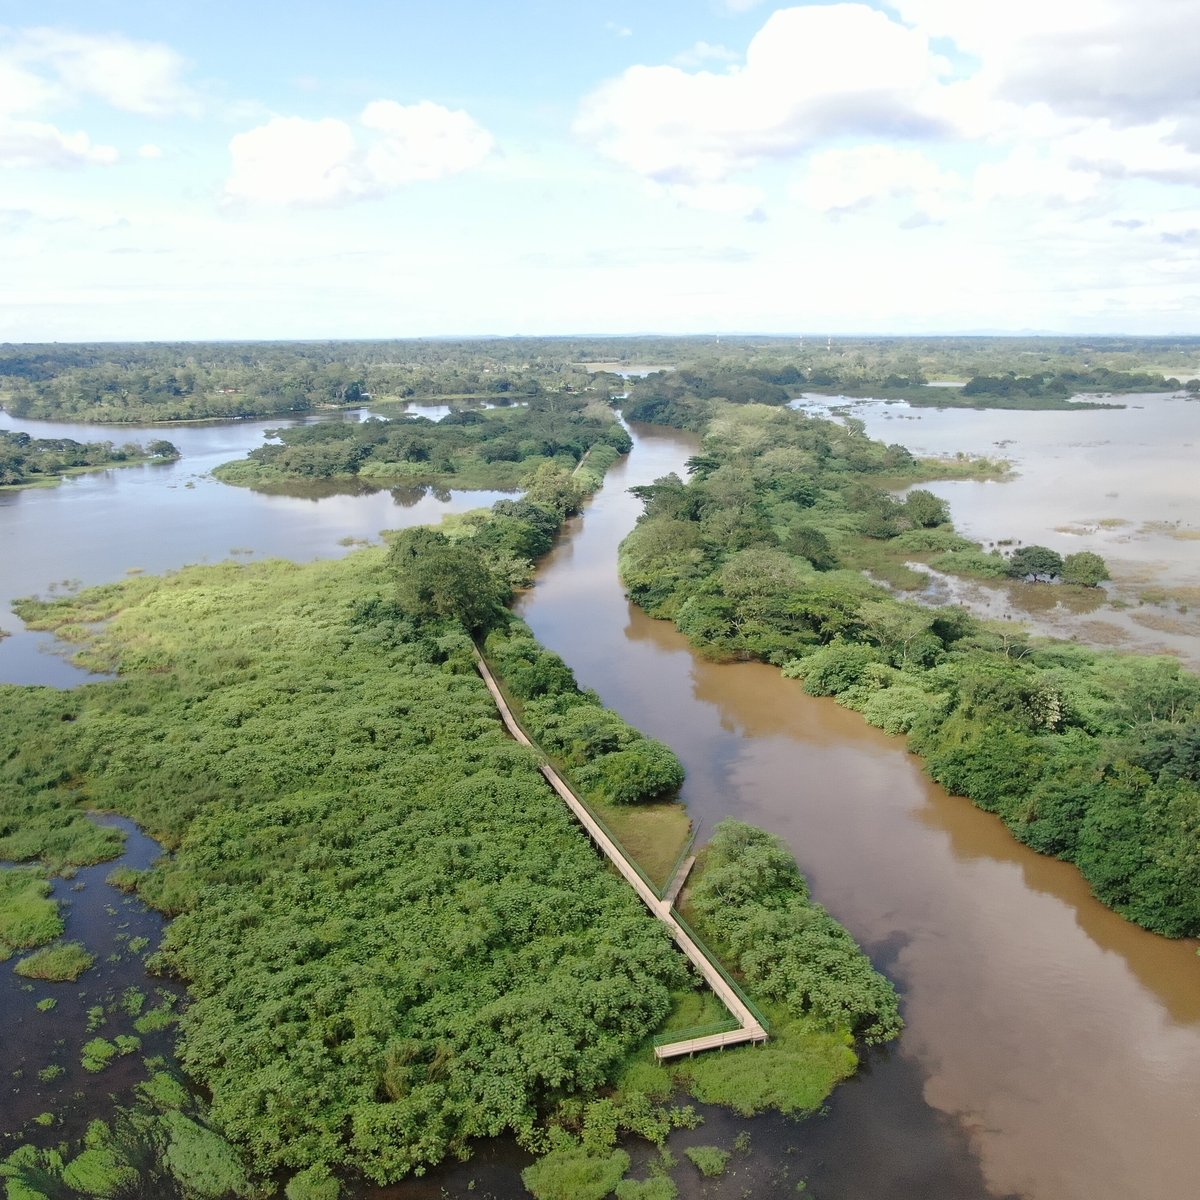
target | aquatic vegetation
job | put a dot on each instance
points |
(56, 964)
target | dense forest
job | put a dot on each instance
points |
(25, 460)
(393, 936)
(1087, 755)
(468, 448)
(686, 396)
(146, 382)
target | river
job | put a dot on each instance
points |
(1061, 1042)
(1052, 1049)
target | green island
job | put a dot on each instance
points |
(43, 462)
(495, 448)
(1088, 755)
(394, 937)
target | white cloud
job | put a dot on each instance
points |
(1146, 151)
(728, 199)
(60, 67)
(699, 53)
(422, 141)
(43, 70)
(149, 150)
(36, 144)
(1034, 174)
(810, 73)
(1132, 61)
(845, 180)
(290, 160)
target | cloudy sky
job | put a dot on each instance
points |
(188, 169)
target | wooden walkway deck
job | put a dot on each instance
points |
(750, 1029)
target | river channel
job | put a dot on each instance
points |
(1052, 1049)
(1061, 1043)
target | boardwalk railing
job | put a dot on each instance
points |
(755, 1011)
(751, 1024)
(729, 1025)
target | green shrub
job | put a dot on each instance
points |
(571, 1173)
(66, 961)
(709, 1160)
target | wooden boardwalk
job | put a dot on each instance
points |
(750, 1029)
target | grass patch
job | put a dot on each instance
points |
(884, 562)
(124, 879)
(653, 835)
(56, 964)
(572, 1172)
(657, 1187)
(695, 1008)
(99, 1052)
(793, 1073)
(155, 1019)
(28, 917)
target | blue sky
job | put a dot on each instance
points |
(188, 170)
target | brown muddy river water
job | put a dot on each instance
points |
(1062, 1042)
(1052, 1049)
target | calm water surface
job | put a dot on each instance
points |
(98, 527)
(1120, 482)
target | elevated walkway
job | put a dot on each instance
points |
(750, 1028)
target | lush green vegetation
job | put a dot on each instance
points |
(497, 448)
(603, 755)
(26, 461)
(710, 1161)
(161, 1147)
(1040, 563)
(749, 898)
(1088, 755)
(56, 964)
(28, 916)
(394, 936)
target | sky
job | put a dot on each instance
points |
(187, 170)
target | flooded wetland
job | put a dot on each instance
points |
(1052, 1049)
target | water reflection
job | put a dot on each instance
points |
(43, 1071)
(96, 528)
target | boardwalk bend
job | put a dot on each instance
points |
(750, 1028)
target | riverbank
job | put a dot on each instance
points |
(1023, 1068)
(1083, 755)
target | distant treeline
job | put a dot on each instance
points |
(668, 396)
(178, 381)
(1067, 383)
(137, 383)
(1088, 755)
(28, 460)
